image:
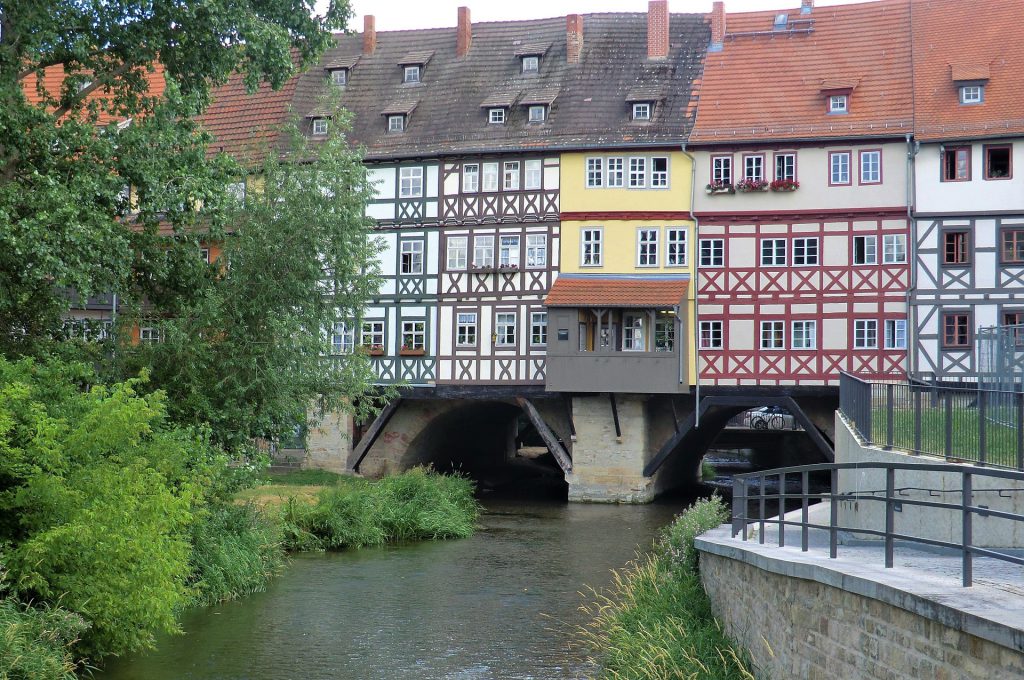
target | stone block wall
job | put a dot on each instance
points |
(608, 468)
(798, 628)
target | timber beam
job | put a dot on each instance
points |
(546, 433)
(355, 458)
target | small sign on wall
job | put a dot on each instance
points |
(563, 335)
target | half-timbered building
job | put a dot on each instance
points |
(801, 144)
(969, 203)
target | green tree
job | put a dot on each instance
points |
(64, 163)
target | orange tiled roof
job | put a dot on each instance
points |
(617, 291)
(773, 85)
(53, 79)
(976, 40)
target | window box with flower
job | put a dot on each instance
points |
(748, 185)
(785, 185)
(374, 350)
(719, 188)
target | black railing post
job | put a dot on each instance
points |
(833, 519)
(782, 509)
(866, 397)
(760, 536)
(737, 500)
(890, 514)
(967, 533)
(1019, 403)
(917, 421)
(948, 448)
(982, 432)
(803, 516)
(889, 392)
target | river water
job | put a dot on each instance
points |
(500, 604)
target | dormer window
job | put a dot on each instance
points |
(839, 103)
(339, 77)
(531, 64)
(319, 126)
(496, 116)
(972, 94)
(412, 74)
(642, 110)
(538, 113)
(396, 123)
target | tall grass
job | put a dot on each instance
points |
(417, 505)
(655, 620)
(37, 643)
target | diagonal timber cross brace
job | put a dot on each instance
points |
(554, 446)
(366, 443)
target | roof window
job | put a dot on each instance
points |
(339, 76)
(396, 122)
(319, 126)
(411, 74)
(781, 22)
(496, 115)
(538, 113)
(972, 94)
(531, 64)
(642, 110)
(839, 103)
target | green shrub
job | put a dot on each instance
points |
(36, 644)
(236, 551)
(676, 540)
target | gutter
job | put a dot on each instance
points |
(911, 335)
(695, 253)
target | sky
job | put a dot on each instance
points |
(393, 15)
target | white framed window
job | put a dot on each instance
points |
(538, 329)
(531, 64)
(665, 332)
(412, 257)
(508, 252)
(414, 335)
(236, 190)
(536, 251)
(590, 247)
(458, 252)
(895, 333)
(659, 172)
(372, 335)
(410, 182)
(339, 77)
(642, 111)
(805, 251)
(647, 247)
(838, 103)
(150, 334)
(633, 333)
(595, 173)
(396, 123)
(711, 335)
(785, 166)
(839, 167)
(470, 178)
(971, 94)
(675, 247)
(753, 167)
(490, 176)
(894, 249)
(721, 169)
(319, 126)
(483, 252)
(342, 338)
(637, 173)
(496, 116)
(712, 252)
(534, 174)
(204, 255)
(466, 329)
(865, 334)
(537, 113)
(505, 325)
(411, 74)
(773, 335)
(511, 177)
(865, 249)
(870, 167)
(616, 174)
(773, 252)
(805, 334)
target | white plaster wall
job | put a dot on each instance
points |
(978, 194)
(383, 181)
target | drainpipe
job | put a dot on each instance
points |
(695, 253)
(912, 149)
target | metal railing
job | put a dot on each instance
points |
(963, 423)
(965, 508)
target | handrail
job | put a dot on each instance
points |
(966, 508)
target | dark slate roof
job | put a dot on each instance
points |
(588, 101)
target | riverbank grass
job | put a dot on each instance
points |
(655, 621)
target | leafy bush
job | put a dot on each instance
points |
(37, 643)
(676, 541)
(236, 551)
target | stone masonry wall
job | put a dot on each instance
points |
(797, 628)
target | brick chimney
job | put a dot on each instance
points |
(464, 37)
(573, 38)
(369, 34)
(806, 6)
(657, 29)
(717, 27)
